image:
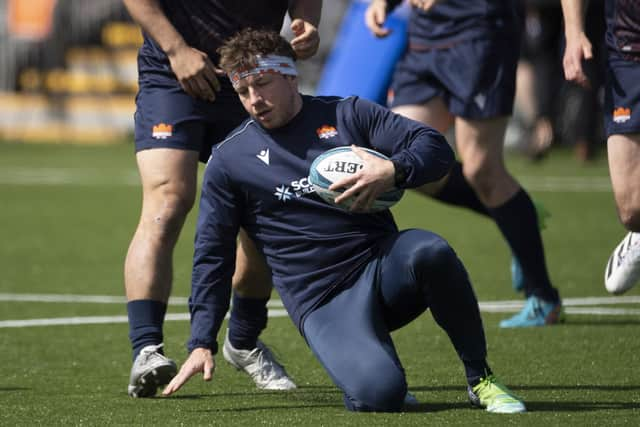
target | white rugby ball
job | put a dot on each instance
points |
(341, 162)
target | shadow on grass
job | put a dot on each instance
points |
(3, 389)
(573, 406)
(300, 392)
(571, 321)
(599, 387)
(273, 408)
(303, 398)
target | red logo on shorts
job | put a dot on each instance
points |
(162, 131)
(621, 114)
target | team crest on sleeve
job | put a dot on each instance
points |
(162, 131)
(326, 132)
(621, 114)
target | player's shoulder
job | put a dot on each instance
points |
(345, 107)
(246, 130)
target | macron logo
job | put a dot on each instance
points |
(264, 156)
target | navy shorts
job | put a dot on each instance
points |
(167, 117)
(475, 78)
(350, 333)
(622, 96)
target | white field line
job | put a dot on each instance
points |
(99, 299)
(14, 175)
(275, 303)
(569, 184)
(589, 305)
(67, 176)
(94, 320)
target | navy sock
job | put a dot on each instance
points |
(457, 191)
(454, 307)
(247, 320)
(145, 323)
(518, 222)
(475, 370)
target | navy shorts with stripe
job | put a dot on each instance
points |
(194, 124)
(622, 96)
(475, 78)
(350, 333)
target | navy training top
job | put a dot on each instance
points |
(453, 21)
(257, 179)
(206, 24)
(623, 28)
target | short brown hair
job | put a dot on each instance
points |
(240, 51)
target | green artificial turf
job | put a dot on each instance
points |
(67, 214)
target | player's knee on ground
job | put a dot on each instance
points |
(378, 393)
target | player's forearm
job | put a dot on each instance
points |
(206, 321)
(209, 300)
(427, 158)
(150, 16)
(573, 12)
(307, 10)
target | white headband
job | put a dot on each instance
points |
(266, 64)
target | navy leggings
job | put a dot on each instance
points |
(350, 333)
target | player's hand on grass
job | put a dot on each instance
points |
(200, 360)
(374, 18)
(195, 72)
(578, 49)
(306, 41)
(375, 178)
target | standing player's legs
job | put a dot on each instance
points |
(482, 108)
(168, 192)
(623, 268)
(169, 132)
(624, 167)
(622, 124)
(476, 79)
(480, 145)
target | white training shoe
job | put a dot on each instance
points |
(260, 364)
(149, 371)
(623, 267)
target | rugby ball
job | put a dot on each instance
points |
(341, 162)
